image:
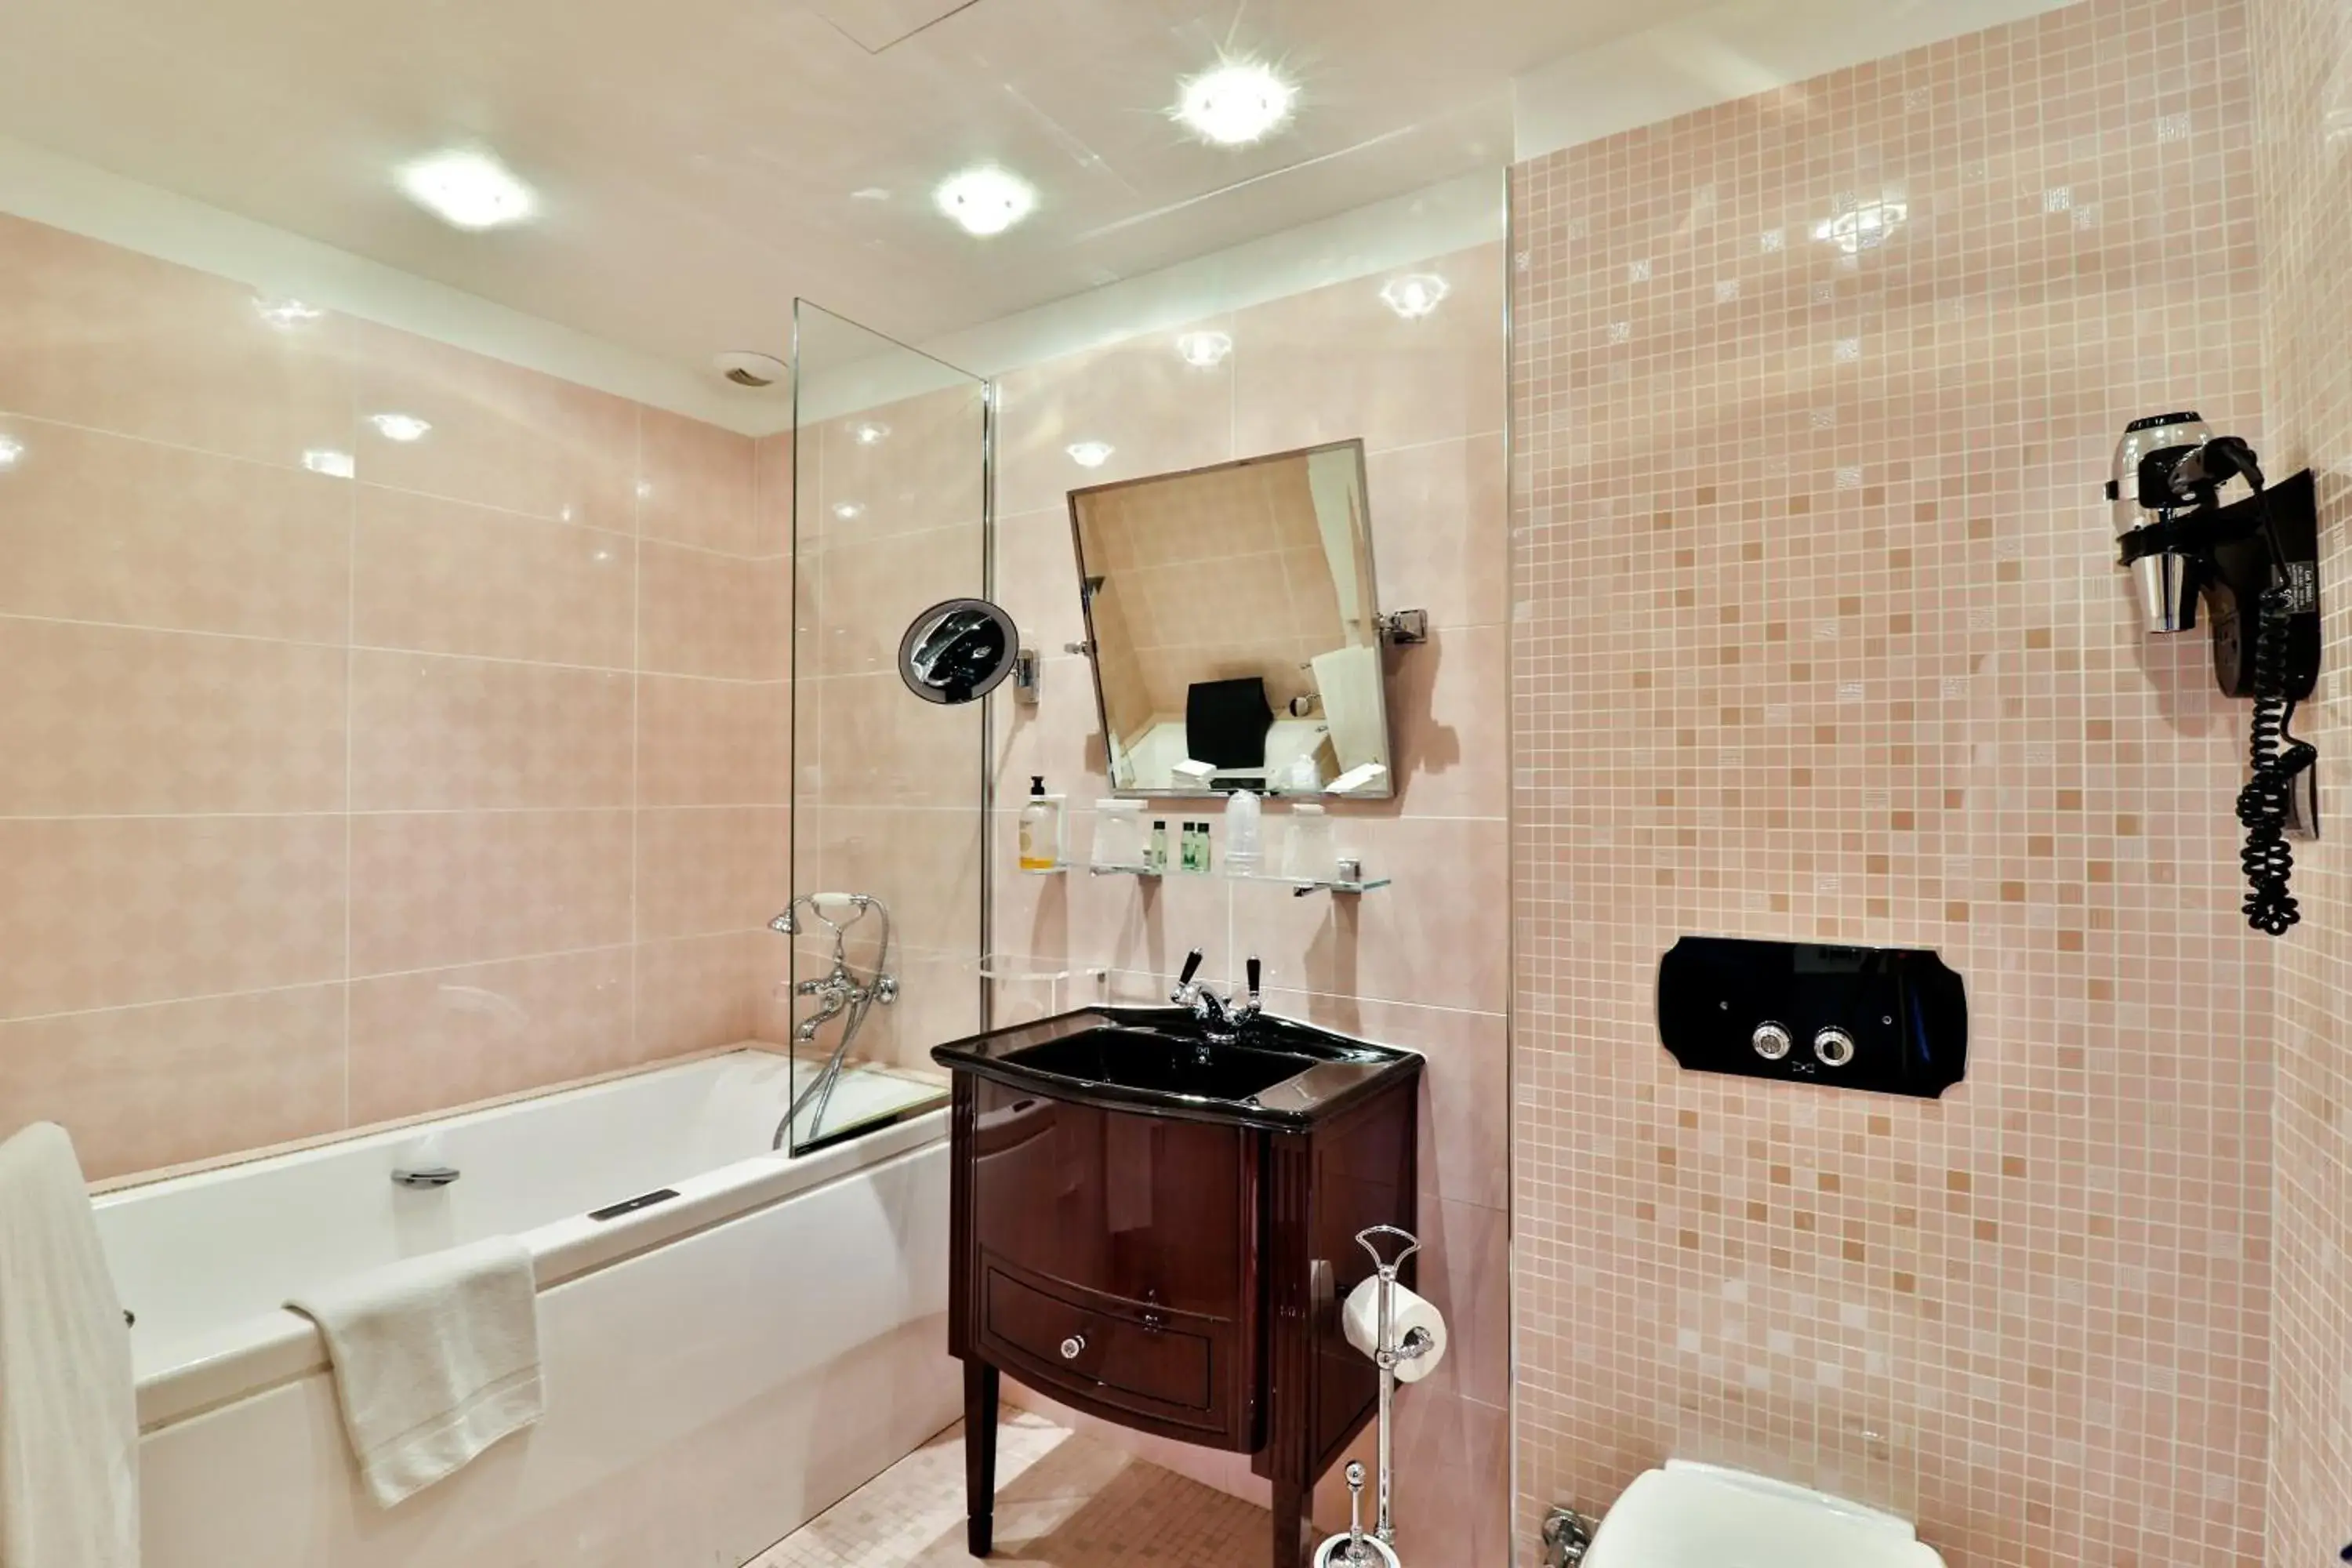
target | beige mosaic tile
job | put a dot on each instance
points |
(1062, 1500)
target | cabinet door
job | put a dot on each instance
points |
(1142, 1208)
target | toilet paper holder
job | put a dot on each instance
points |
(1352, 1547)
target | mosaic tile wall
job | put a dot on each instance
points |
(342, 777)
(2303, 56)
(1422, 963)
(1817, 634)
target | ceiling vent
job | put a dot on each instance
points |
(755, 371)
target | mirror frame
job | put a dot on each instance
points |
(1393, 784)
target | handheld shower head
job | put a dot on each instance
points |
(785, 925)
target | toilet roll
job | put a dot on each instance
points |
(1359, 1314)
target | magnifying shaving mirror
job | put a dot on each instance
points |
(958, 651)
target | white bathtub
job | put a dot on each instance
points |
(721, 1366)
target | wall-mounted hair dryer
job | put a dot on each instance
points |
(2254, 565)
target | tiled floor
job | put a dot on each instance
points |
(1061, 1499)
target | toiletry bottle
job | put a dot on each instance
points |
(1203, 867)
(1156, 855)
(1245, 855)
(1041, 828)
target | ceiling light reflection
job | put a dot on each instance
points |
(1867, 227)
(986, 200)
(1205, 349)
(869, 433)
(848, 509)
(1416, 294)
(10, 451)
(327, 460)
(286, 314)
(467, 190)
(1090, 454)
(402, 427)
(1239, 102)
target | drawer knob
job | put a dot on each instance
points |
(1071, 1346)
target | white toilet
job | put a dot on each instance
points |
(1704, 1515)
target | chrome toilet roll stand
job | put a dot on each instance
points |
(1354, 1549)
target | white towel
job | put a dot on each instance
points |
(435, 1358)
(68, 1408)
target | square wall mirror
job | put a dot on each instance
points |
(1235, 634)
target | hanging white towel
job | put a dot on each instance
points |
(435, 1358)
(68, 1408)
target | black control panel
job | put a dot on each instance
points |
(1894, 1020)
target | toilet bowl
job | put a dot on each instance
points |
(1691, 1515)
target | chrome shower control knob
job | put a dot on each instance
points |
(1071, 1346)
(1834, 1046)
(1770, 1040)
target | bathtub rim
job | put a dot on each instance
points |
(259, 1352)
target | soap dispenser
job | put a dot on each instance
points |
(1041, 828)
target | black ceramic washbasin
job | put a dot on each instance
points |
(1280, 1073)
(1160, 1064)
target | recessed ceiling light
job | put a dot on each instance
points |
(10, 451)
(846, 510)
(327, 460)
(1239, 102)
(1205, 349)
(285, 312)
(469, 190)
(868, 433)
(399, 427)
(986, 200)
(1416, 294)
(1091, 454)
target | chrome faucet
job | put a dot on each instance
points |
(1222, 1017)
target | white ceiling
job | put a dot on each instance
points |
(702, 161)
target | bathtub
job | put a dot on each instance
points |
(720, 1366)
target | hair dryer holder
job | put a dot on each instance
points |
(2232, 568)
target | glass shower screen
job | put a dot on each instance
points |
(890, 515)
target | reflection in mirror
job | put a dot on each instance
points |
(1235, 636)
(957, 652)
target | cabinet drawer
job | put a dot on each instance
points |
(1094, 1344)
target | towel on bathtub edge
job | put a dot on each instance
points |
(434, 1358)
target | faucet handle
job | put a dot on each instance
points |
(1255, 971)
(1184, 990)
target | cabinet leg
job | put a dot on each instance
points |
(1289, 1522)
(979, 1382)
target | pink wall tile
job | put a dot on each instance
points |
(102, 528)
(447, 1037)
(1440, 530)
(100, 337)
(2304, 216)
(699, 487)
(444, 888)
(1338, 362)
(436, 733)
(1791, 659)
(111, 912)
(111, 721)
(713, 742)
(706, 869)
(441, 576)
(501, 436)
(1156, 412)
(697, 993)
(200, 635)
(702, 614)
(146, 1087)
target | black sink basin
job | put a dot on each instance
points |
(1281, 1073)
(1162, 1064)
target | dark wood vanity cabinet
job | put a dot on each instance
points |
(1179, 1276)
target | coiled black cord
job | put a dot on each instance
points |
(2268, 858)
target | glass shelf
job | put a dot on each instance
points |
(1302, 886)
(1054, 870)
(1125, 871)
